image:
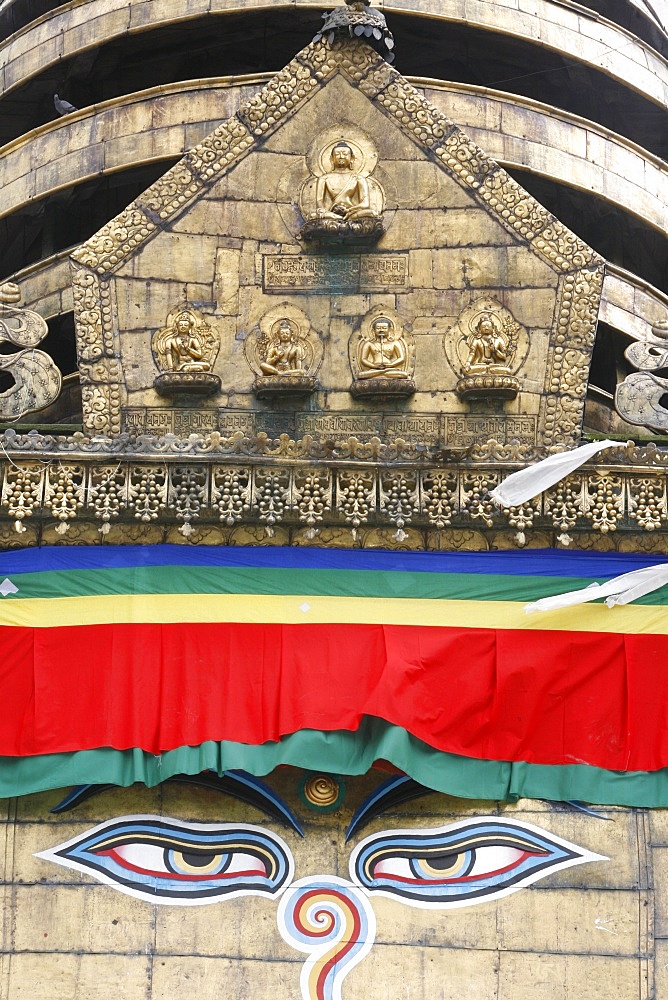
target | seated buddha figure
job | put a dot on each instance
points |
(183, 348)
(383, 355)
(344, 194)
(284, 355)
(488, 348)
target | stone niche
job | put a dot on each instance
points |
(338, 259)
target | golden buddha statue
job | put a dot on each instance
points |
(183, 348)
(383, 355)
(343, 193)
(341, 202)
(284, 355)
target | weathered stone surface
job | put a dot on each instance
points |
(71, 936)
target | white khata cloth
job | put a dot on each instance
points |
(620, 590)
(527, 483)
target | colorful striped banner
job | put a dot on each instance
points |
(152, 649)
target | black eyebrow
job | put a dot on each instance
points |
(402, 788)
(239, 784)
(390, 793)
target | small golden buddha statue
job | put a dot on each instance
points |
(489, 350)
(343, 194)
(284, 354)
(340, 202)
(383, 355)
(183, 349)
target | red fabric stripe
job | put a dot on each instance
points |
(544, 697)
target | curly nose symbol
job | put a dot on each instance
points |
(333, 923)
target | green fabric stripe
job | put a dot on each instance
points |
(325, 582)
(349, 753)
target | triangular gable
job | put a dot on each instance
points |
(311, 68)
(442, 141)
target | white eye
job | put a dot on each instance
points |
(397, 867)
(494, 860)
(240, 863)
(149, 859)
(460, 864)
(185, 864)
(141, 857)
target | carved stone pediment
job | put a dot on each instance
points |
(337, 191)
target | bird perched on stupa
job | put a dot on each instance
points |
(63, 107)
(359, 20)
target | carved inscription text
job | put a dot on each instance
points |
(318, 273)
(337, 424)
(465, 431)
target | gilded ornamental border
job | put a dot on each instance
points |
(219, 485)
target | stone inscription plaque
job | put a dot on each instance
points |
(383, 271)
(195, 422)
(358, 273)
(339, 424)
(142, 420)
(230, 422)
(169, 420)
(467, 431)
(135, 420)
(413, 427)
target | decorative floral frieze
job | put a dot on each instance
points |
(283, 94)
(23, 488)
(324, 58)
(221, 149)
(647, 503)
(606, 499)
(417, 115)
(563, 248)
(230, 493)
(570, 356)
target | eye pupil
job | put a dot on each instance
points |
(443, 862)
(197, 859)
(194, 862)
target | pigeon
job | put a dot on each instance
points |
(63, 107)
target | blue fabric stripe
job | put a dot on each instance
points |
(527, 562)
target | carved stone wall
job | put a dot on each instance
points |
(220, 233)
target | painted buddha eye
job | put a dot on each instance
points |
(458, 865)
(167, 861)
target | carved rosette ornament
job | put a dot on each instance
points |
(285, 353)
(640, 397)
(185, 350)
(37, 379)
(382, 356)
(486, 347)
(341, 203)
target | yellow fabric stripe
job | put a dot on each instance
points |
(305, 609)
